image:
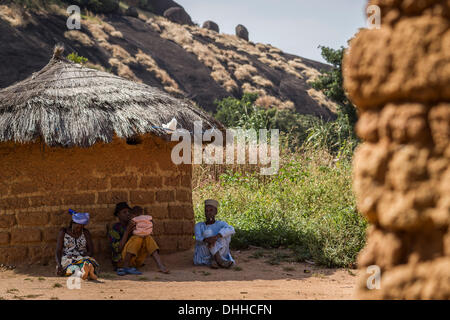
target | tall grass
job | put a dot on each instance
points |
(308, 206)
(338, 137)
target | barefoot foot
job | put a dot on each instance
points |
(163, 269)
(85, 271)
(92, 274)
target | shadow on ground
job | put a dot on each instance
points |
(251, 264)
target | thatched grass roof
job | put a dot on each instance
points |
(66, 104)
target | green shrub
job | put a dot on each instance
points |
(331, 82)
(243, 113)
(297, 131)
(76, 58)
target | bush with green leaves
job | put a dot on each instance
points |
(331, 82)
(244, 113)
(76, 58)
(296, 130)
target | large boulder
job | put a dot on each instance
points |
(178, 15)
(211, 25)
(160, 6)
(242, 32)
(132, 12)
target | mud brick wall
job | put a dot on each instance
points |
(399, 77)
(39, 184)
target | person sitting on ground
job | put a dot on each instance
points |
(128, 250)
(74, 249)
(119, 233)
(212, 239)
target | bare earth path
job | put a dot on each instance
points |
(254, 278)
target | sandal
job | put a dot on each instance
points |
(120, 272)
(132, 271)
(224, 263)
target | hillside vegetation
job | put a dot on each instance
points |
(186, 61)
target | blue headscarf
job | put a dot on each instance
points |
(78, 217)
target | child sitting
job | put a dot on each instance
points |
(139, 245)
(144, 224)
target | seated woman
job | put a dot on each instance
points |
(74, 249)
(212, 239)
(129, 251)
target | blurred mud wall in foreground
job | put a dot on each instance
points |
(399, 77)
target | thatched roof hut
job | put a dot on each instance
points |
(82, 116)
(67, 104)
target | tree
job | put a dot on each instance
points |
(331, 82)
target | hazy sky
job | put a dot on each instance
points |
(294, 26)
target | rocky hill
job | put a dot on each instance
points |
(183, 59)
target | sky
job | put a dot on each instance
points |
(294, 26)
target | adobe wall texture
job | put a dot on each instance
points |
(399, 77)
(38, 185)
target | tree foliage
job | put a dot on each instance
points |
(76, 58)
(331, 82)
(296, 130)
(244, 113)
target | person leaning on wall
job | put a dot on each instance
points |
(128, 250)
(74, 249)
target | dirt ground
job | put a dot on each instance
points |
(257, 275)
